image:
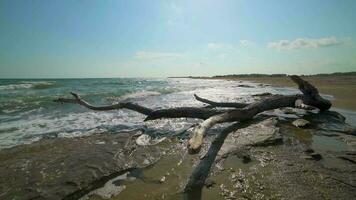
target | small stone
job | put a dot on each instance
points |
(308, 151)
(301, 123)
(143, 140)
(163, 179)
(316, 156)
(245, 86)
(146, 162)
(246, 159)
(313, 156)
(289, 111)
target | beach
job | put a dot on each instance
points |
(62, 151)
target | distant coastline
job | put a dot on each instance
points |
(267, 75)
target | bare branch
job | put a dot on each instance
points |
(188, 112)
(127, 105)
(220, 104)
(193, 188)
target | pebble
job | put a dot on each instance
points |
(301, 123)
(163, 179)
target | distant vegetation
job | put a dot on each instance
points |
(283, 75)
(267, 75)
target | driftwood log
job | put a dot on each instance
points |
(240, 113)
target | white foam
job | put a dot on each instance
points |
(29, 126)
(140, 94)
(26, 85)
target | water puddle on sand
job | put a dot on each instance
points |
(329, 146)
(164, 180)
(167, 178)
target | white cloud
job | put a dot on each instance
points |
(246, 43)
(214, 45)
(147, 55)
(305, 43)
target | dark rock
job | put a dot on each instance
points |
(308, 151)
(313, 156)
(263, 94)
(246, 159)
(316, 156)
(245, 86)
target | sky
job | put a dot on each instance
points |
(160, 38)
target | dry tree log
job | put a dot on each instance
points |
(196, 182)
(309, 97)
(240, 113)
(211, 116)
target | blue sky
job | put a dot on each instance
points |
(141, 38)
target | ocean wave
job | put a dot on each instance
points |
(29, 85)
(139, 95)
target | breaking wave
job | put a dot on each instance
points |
(29, 85)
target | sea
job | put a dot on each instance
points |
(28, 112)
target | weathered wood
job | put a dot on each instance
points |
(220, 104)
(187, 112)
(193, 188)
(241, 112)
(310, 97)
(242, 115)
(128, 105)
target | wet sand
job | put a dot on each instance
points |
(341, 87)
